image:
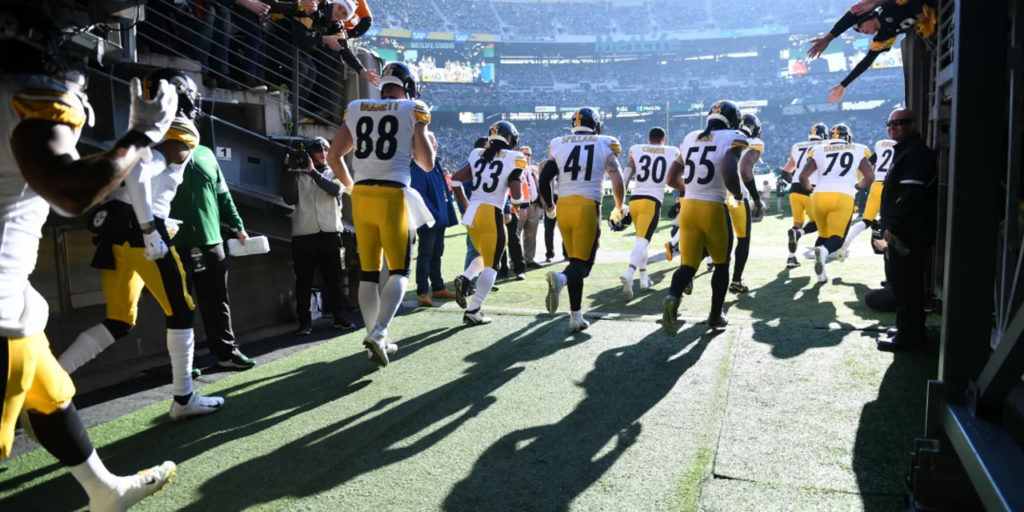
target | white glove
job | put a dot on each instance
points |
(155, 246)
(152, 117)
(551, 213)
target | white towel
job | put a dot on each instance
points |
(467, 218)
(416, 209)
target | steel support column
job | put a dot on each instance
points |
(973, 200)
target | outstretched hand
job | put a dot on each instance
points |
(835, 93)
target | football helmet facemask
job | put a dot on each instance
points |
(190, 100)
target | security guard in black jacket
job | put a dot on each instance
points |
(908, 223)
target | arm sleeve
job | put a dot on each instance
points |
(350, 58)
(326, 184)
(844, 24)
(360, 28)
(752, 189)
(861, 67)
(547, 174)
(226, 204)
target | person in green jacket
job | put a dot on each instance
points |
(201, 202)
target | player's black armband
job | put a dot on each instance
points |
(751, 185)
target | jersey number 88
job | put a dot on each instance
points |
(386, 145)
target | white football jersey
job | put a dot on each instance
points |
(885, 149)
(651, 162)
(382, 132)
(799, 153)
(702, 159)
(491, 179)
(23, 311)
(838, 162)
(164, 186)
(581, 163)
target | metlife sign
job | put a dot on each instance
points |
(637, 44)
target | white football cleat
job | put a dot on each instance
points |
(555, 283)
(627, 287)
(129, 490)
(820, 255)
(378, 346)
(197, 406)
(645, 282)
(576, 321)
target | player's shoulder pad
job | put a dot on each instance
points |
(420, 110)
(736, 139)
(613, 144)
(182, 129)
(756, 144)
(521, 161)
(48, 99)
(862, 148)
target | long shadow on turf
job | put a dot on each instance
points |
(547, 467)
(342, 452)
(887, 428)
(790, 304)
(251, 407)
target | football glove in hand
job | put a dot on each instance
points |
(757, 212)
(155, 246)
(153, 117)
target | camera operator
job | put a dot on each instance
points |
(316, 229)
(331, 24)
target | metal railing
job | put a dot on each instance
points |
(238, 50)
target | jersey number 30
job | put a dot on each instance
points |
(655, 172)
(386, 145)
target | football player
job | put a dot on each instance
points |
(649, 164)
(800, 197)
(885, 24)
(45, 109)
(832, 201)
(580, 161)
(739, 209)
(882, 160)
(707, 169)
(494, 173)
(385, 134)
(133, 252)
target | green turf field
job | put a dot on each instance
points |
(789, 408)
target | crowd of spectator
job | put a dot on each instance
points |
(545, 20)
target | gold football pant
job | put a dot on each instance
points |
(645, 212)
(833, 211)
(33, 381)
(874, 202)
(800, 203)
(703, 224)
(488, 234)
(579, 223)
(382, 225)
(739, 213)
(164, 278)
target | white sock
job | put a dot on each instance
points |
(643, 274)
(475, 267)
(93, 476)
(636, 258)
(391, 299)
(181, 346)
(854, 231)
(483, 287)
(576, 315)
(86, 347)
(369, 304)
(799, 231)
